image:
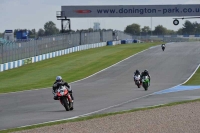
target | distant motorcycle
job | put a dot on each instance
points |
(145, 82)
(163, 47)
(137, 80)
(65, 98)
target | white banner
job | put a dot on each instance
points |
(132, 11)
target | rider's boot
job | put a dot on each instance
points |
(70, 92)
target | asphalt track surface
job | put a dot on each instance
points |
(110, 90)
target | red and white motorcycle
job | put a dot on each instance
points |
(137, 80)
(65, 98)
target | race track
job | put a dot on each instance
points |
(109, 89)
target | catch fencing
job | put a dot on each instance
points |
(11, 51)
(164, 38)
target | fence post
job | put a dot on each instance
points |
(2, 61)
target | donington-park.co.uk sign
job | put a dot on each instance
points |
(131, 11)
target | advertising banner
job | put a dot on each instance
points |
(132, 11)
(27, 61)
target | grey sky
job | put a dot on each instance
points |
(20, 14)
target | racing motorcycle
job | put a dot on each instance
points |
(163, 47)
(65, 98)
(145, 82)
(137, 80)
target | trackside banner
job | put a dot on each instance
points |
(132, 11)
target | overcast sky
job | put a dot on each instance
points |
(30, 14)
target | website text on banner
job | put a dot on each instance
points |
(132, 11)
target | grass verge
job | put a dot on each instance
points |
(95, 116)
(71, 67)
(195, 80)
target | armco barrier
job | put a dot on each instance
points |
(18, 63)
(123, 41)
(116, 42)
(109, 43)
(185, 35)
(136, 41)
(129, 41)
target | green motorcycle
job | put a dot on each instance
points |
(145, 82)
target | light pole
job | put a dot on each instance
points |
(151, 26)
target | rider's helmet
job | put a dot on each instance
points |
(137, 72)
(146, 71)
(58, 78)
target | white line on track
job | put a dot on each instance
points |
(184, 81)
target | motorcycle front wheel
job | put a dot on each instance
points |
(145, 86)
(65, 103)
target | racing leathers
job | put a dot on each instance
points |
(145, 73)
(56, 86)
(136, 73)
(163, 46)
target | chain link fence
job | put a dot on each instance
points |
(164, 38)
(11, 51)
(119, 35)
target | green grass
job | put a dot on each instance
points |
(195, 80)
(193, 40)
(71, 67)
(95, 116)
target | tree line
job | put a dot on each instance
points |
(188, 28)
(49, 29)
(133, 29)
(1, 34)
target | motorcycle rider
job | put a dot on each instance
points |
(163, 46)
(146, 73)
(56, 85)
(136, 73)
